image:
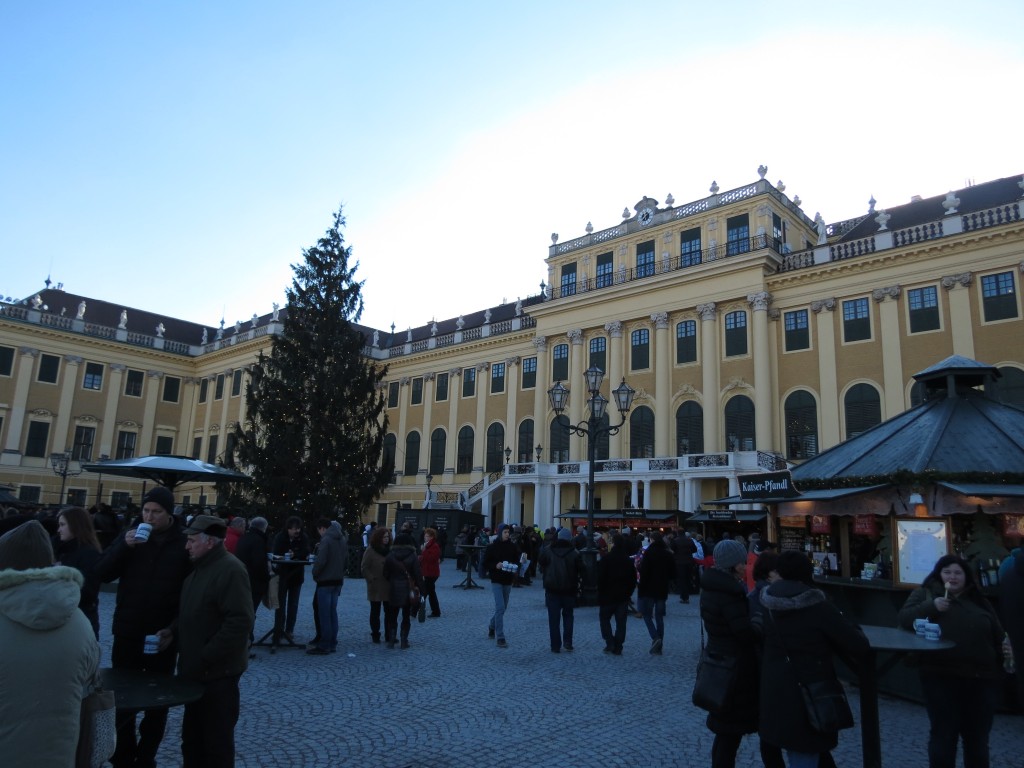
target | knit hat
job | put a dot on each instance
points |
(404, 539)
(564, 534)
(160, 495)
(728, 554)
(27, 546)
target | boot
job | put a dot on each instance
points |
(376, 637)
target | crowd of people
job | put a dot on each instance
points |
(188, 591)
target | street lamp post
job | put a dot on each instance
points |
(592, 429)
(61, 463)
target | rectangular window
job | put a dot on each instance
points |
(686, 342)
(645, 259)
(604, 270)
(497, 378)
(126, 445)
(6, 360)
(797, 329)
(998, 296)
(236, 382)
(84, 439)
(568, 285)
(417, 390)
(164, 445)
(468, 382)
(133, 384)
(76, 497)
(393, 394)
(856, 320)
(735, 333)
(529, 373)
(560, 362)
(38, 435)
(93, 378)
(689, 247)
(197, 447)
(777, 232)
(204, 391)
(49, 367)
(120, 499)
(218, 390)
(923, 304)
(599, 353)
(441, 388)
(29, 493)
(737, 234)
(211, 450)
(172, 389)
(640, 349)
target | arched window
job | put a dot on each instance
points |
(1011, 386)
(495, 448)
(863, 409)
(558, 439)
(387, 458)
(603, 446)
(801, 425)
(917, 394)
(525, 442)
(412, 454)
(438, 443)
(641, 433)
(464, 451)
(689, 428)
(739, 424)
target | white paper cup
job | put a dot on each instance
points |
(152, 644)
(932, 632)
(142, 532)
(919, 625)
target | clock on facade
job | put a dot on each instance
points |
(646, 216)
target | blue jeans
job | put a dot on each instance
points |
(501, 593)
(650, 607)
(958, 708)
(605, 615)
(560, 607)
(802, 759)
(327, 610)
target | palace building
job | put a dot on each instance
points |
(753, 335)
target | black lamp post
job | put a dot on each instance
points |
(592, 429)
(61, 463)
(508, 454)
(539, 452)
(430, 479)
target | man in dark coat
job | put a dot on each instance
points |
(561, 564)
(501, 564)
(329, 574)
(150, 575)
(1011, 606)
(252, 551)
(616, 580)
(683, 550)
(654, 574)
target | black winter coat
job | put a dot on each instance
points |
(252, 551)
(799, 620)
(151, 575)
(616, 577)
(561, 563)
(726, 615)
(72, 553)
(291, 574)
(402, 564)
(657, 569)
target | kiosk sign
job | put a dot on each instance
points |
(767, 485)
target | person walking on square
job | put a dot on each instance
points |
(500, 563)
(213, 629)
(150, 574)
(252, 552)
(561, 563)
(616, 580)
(329, 575)
(656, 571)
(402, 570)
(378, 588)
(430, 566)
(294, 544)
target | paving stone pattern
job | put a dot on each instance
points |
(456, 700)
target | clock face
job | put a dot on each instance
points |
(646, 216)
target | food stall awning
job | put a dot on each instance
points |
(826, 494)
(985, 489)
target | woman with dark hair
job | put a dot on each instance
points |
(292, 544)
(430, 566)
(378, 589)
(76, 545)
(960, 684)
(402, 570)
(802, 632)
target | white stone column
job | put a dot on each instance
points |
(892, 364)
(403, 417)
(114, 389)
(511, 401)
(428, 410)
(480, 441)
(763, 431)
(647, 493)
(615, 368)
(186, 425)
(68, 384)
(710, 375)
(452, 445)
(145, 446)
(824, 312)
(634, 494)
(663, 383)
(16, 424)
(578, 392)
(541, 431)
(960, 323)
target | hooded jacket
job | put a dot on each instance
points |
(616, 577)
(800, 623)
(378, 589)
(402, 560)
(561, 563)
(331, 557)
(49, 657)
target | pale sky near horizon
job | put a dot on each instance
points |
(178, 157)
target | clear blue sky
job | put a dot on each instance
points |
(177, 157)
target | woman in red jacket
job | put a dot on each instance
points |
(430, 565)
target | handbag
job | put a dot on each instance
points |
(825, 702)
(272, 598)
(97, 733)
(716, 679)
(421, 614)
(415, 604)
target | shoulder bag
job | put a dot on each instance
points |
(97, 733)
(415, 604)
(716, 679)
(825, 703)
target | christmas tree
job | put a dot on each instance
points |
(315, 425)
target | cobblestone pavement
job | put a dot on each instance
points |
(455, 699)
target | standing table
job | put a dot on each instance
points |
(275, 638)
(468, 583)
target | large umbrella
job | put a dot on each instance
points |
(168, 471)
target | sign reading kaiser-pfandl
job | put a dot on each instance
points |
(767, 485)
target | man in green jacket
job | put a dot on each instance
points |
(213, 626)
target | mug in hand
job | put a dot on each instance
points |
(143, 531)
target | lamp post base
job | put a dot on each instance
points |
(588, 566)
